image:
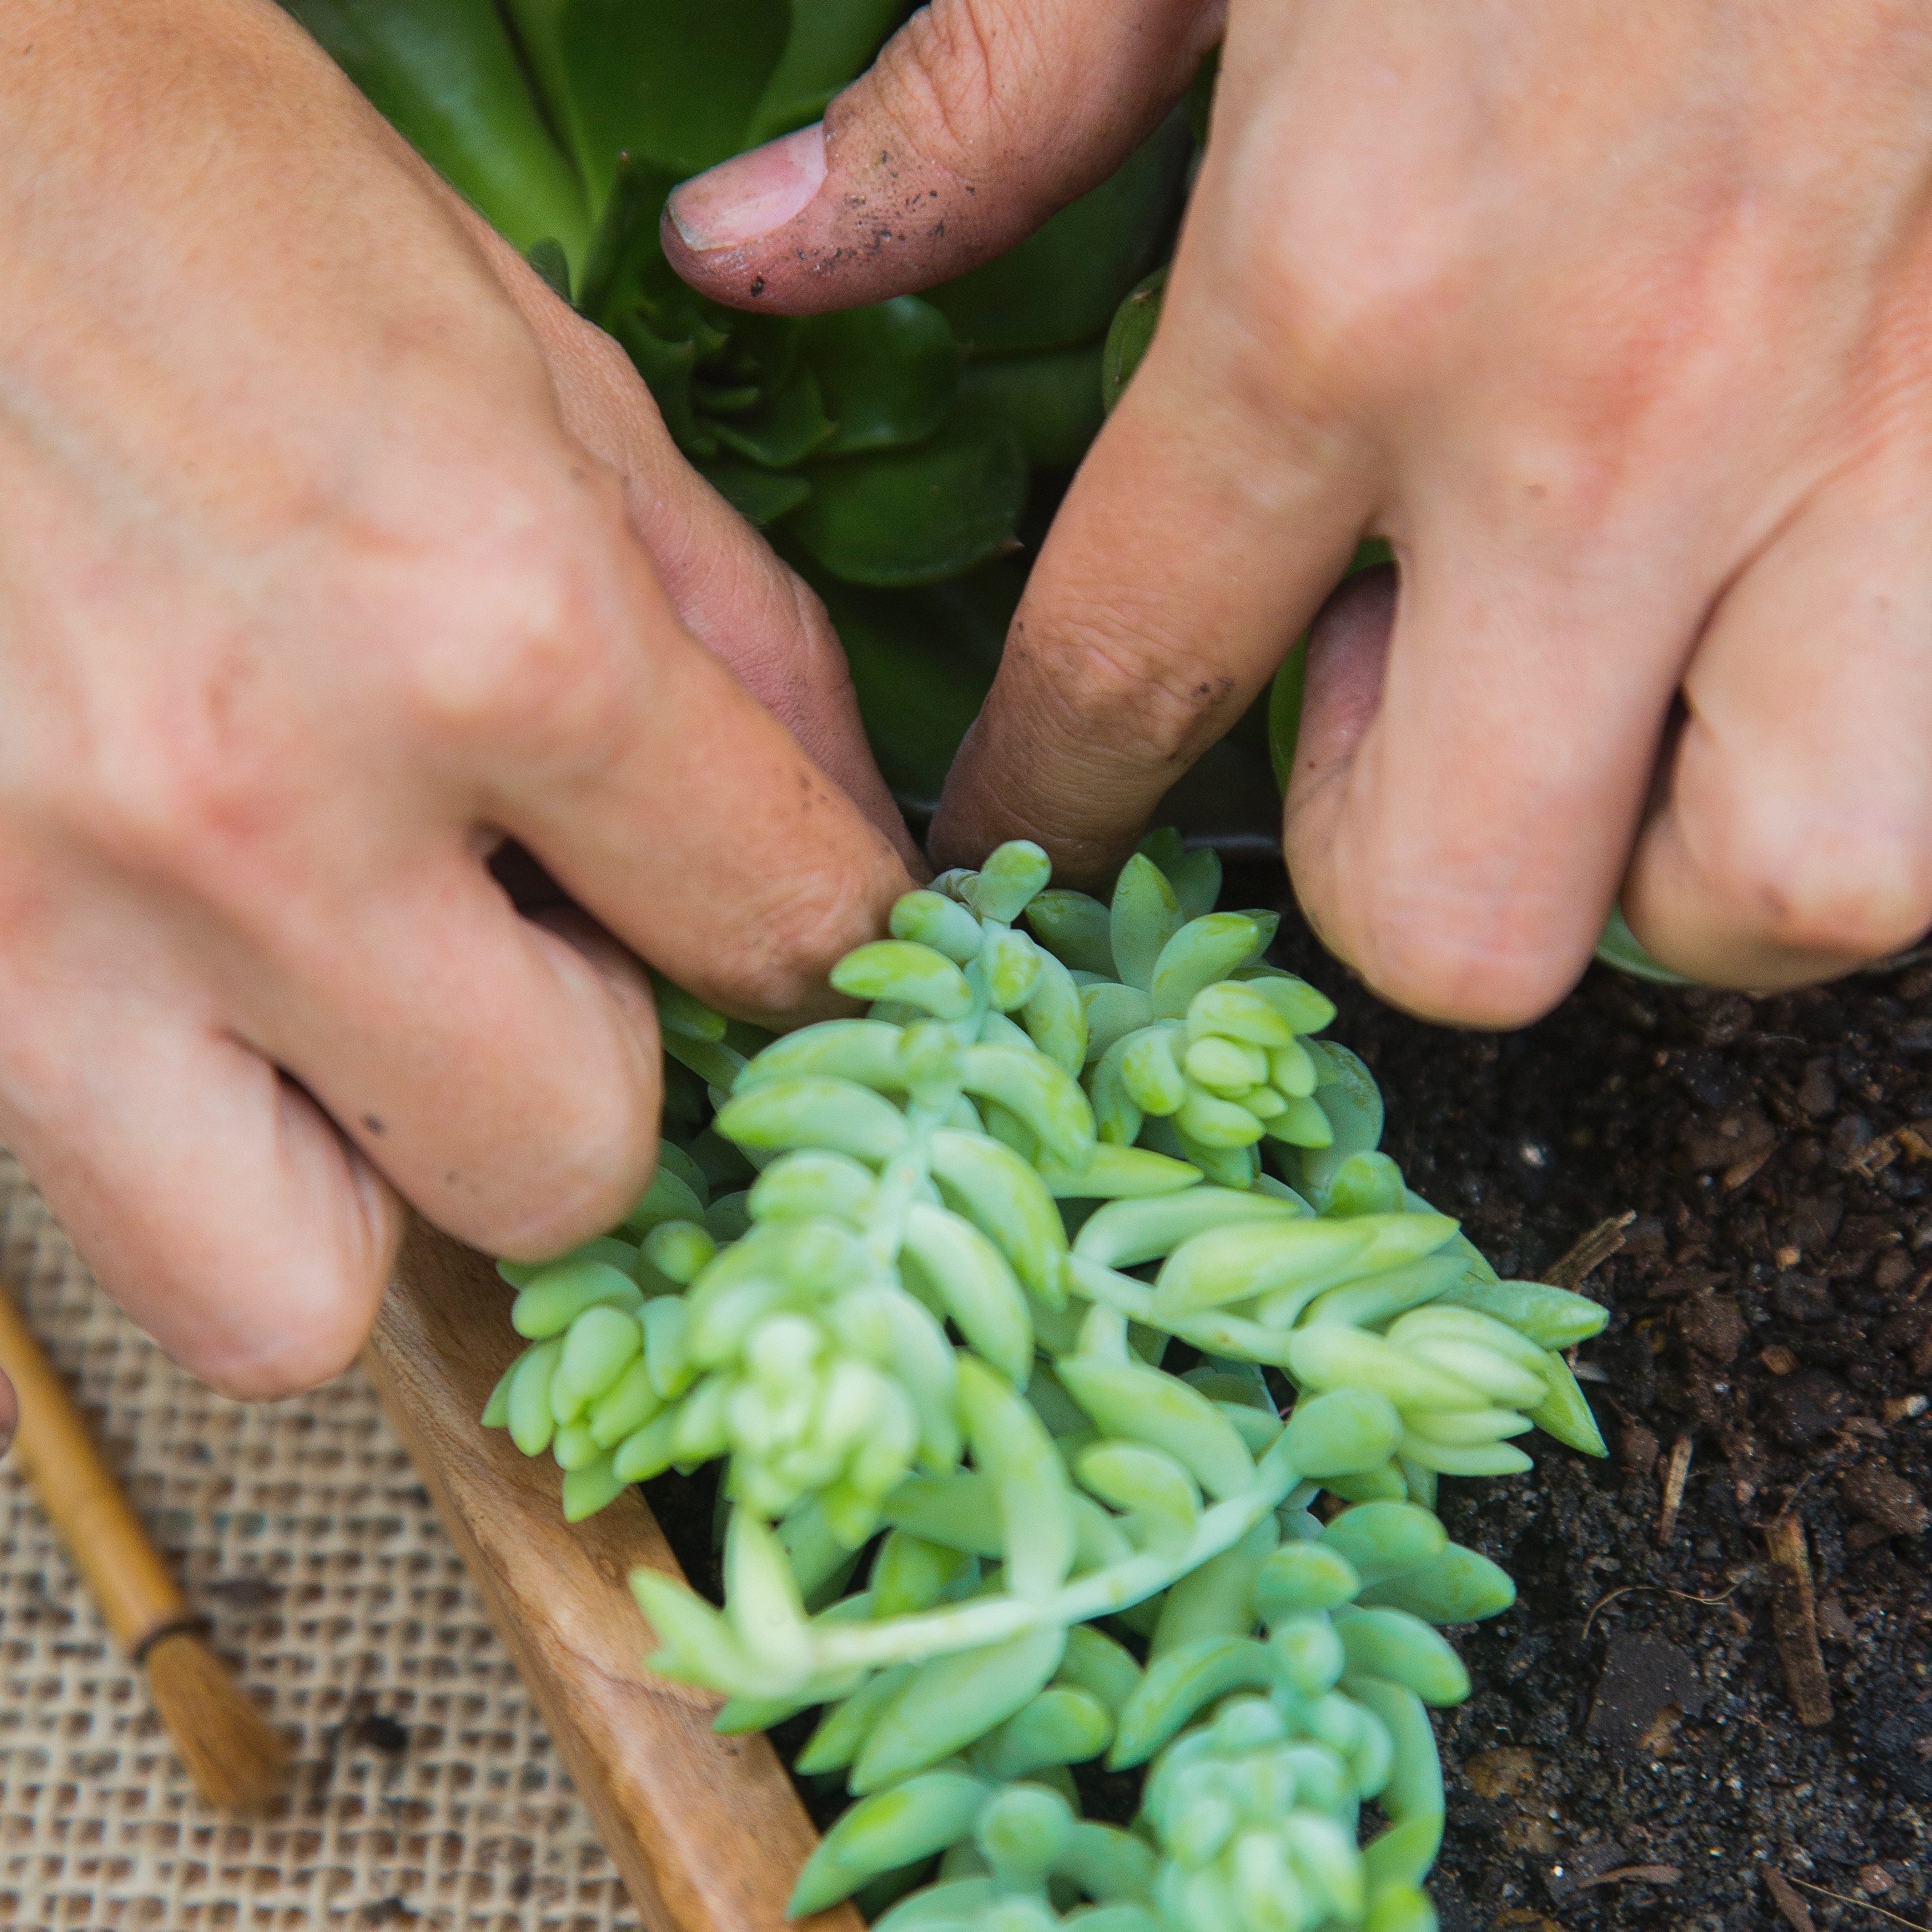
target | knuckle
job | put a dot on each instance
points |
(938, 79)
(1150, 700)
(1332, 308)
(179, 799)
(520, 648)
(1836, 884)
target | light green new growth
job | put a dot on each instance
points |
(915, 1282)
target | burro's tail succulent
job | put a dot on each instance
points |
(990, 1302)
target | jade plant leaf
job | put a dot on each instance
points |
(921, 662)
(760, 496)
(785, 429)
(1061, 285)
(672, 81)
(666, 367)
(888, 372)
(1051, 402)
(917, 515)
(625, 261)
(1130, 335)
(445, 74)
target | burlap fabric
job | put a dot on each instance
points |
(427, 1794)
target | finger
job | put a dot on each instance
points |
(727, 585)
(551, 694)
(1464, 795)
(1156, 613)
(978, 120)
(1794, 840)
(503, 1073)
(209, 1196)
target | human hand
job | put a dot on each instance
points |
(336, 552)
(1609, 319)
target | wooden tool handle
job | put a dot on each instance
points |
(707, 1830)
(138, 1597)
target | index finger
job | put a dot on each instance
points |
(669, 802)
(1198, 540)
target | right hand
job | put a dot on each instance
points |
(335, 552)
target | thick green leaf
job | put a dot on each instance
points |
(1284, 715)
(672, 81)
(625, 260)
(445, 74)
(549, 260)
(917, 515)
(1198, 104)
(1051, 402)
(667, 367)
(921, 663)
(760, 496)
(832, 42)
(1061, 285)
(1621, 947)
(888, 372)
(1128, 334)
(785, 429)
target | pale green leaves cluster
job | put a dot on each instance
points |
(977, 1220)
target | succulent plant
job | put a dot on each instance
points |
(916, 1279)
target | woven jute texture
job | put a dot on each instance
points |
(427, 1794)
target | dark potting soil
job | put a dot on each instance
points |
(1633, 1757)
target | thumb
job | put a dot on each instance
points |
(979, 119)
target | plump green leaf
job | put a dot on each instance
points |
(832, 42)
(1129, 335)
(445, 73)
(921, 662)
(1061, 285)
(667, 367)
(916, 516)
(1051, 401)
(887, 372)
(785, 429)
(760, 496)
(548, 259)
(673, 81)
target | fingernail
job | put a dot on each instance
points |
(747, 197)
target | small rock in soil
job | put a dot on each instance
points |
(1713, 1325)
(1643, 1677)
(1638, 1449)
(1803, 1409)
(1798, 1298)
(1583, 1867)
(1884, 1497)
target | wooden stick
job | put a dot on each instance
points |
(138, 1597)
(1794, 1622)
(1675, 1473)
(235, 1759)
(707, 1831)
